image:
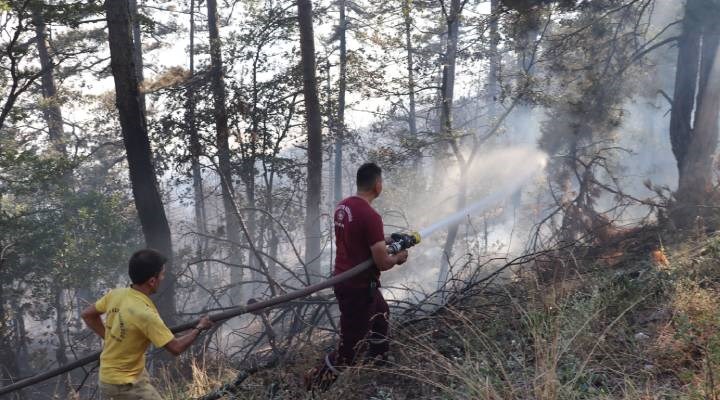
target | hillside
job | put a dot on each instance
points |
(644, 328)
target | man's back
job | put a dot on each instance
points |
(357, 227)
(132, 323)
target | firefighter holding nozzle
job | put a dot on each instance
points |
(363, 311)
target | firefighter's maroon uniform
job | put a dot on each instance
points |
(363, 310)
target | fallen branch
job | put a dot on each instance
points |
(222, 316)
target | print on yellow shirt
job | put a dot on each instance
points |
(131, 323)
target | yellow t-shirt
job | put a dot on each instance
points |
(131, 323)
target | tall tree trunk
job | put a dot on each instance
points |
(694, 146)
(696, 185)
(452, 232)
(274, 244)
(253, 260)
(335, 159)
(60, 323)
(52, 113)
(412, 113)
(523, 118)
(686, 75)
(340, 122)
(51, 106)
(333, 129)
(446, 127)
(9, 372)
(195, 151)
(709, 45)
(448, 78)
(137, 145)
(22, 354)
(314, 133)
(248, 174)
(269, 224)
(137, 49)
(232, 225)
(494, 70)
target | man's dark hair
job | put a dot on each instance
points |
(367, 175)
(145, 264)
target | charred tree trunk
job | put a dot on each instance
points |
(685, 85)
(695, 188)
(334, 130)
(412, 113)
(137, 145)
(452, 233)
(448, 78)
(60, 323)
(51, 106)
(253, 260)
(268, 223)
(523, 118)
(494, 70)
(314, 133)
(137, 50)
(52, 113)
(9, 372)
(248, 174)
(22, 353)
(195, 150)
(342, 87)
(274, 244)
(447, 134)
(694, 145)
(232, 225)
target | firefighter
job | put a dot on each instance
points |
(363, 311)
(131, 323)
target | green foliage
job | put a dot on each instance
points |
(68, 239)
(71, 13)
(57, 234)
(24, 171)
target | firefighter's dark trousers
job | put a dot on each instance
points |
(363, 324)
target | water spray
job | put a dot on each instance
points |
(481, 205)
(402, 241)
(532, 162)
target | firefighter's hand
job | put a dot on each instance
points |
(402, 257)
(205, 323)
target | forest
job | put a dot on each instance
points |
(557, 159)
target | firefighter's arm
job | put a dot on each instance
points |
(92, 319)
(383, 260)
(178, 345)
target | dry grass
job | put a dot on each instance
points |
(202, 382)
(647, 329)
(200, 375)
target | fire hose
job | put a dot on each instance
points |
(400, 241)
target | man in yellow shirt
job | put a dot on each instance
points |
(131, 323)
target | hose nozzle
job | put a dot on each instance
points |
(402, 241)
